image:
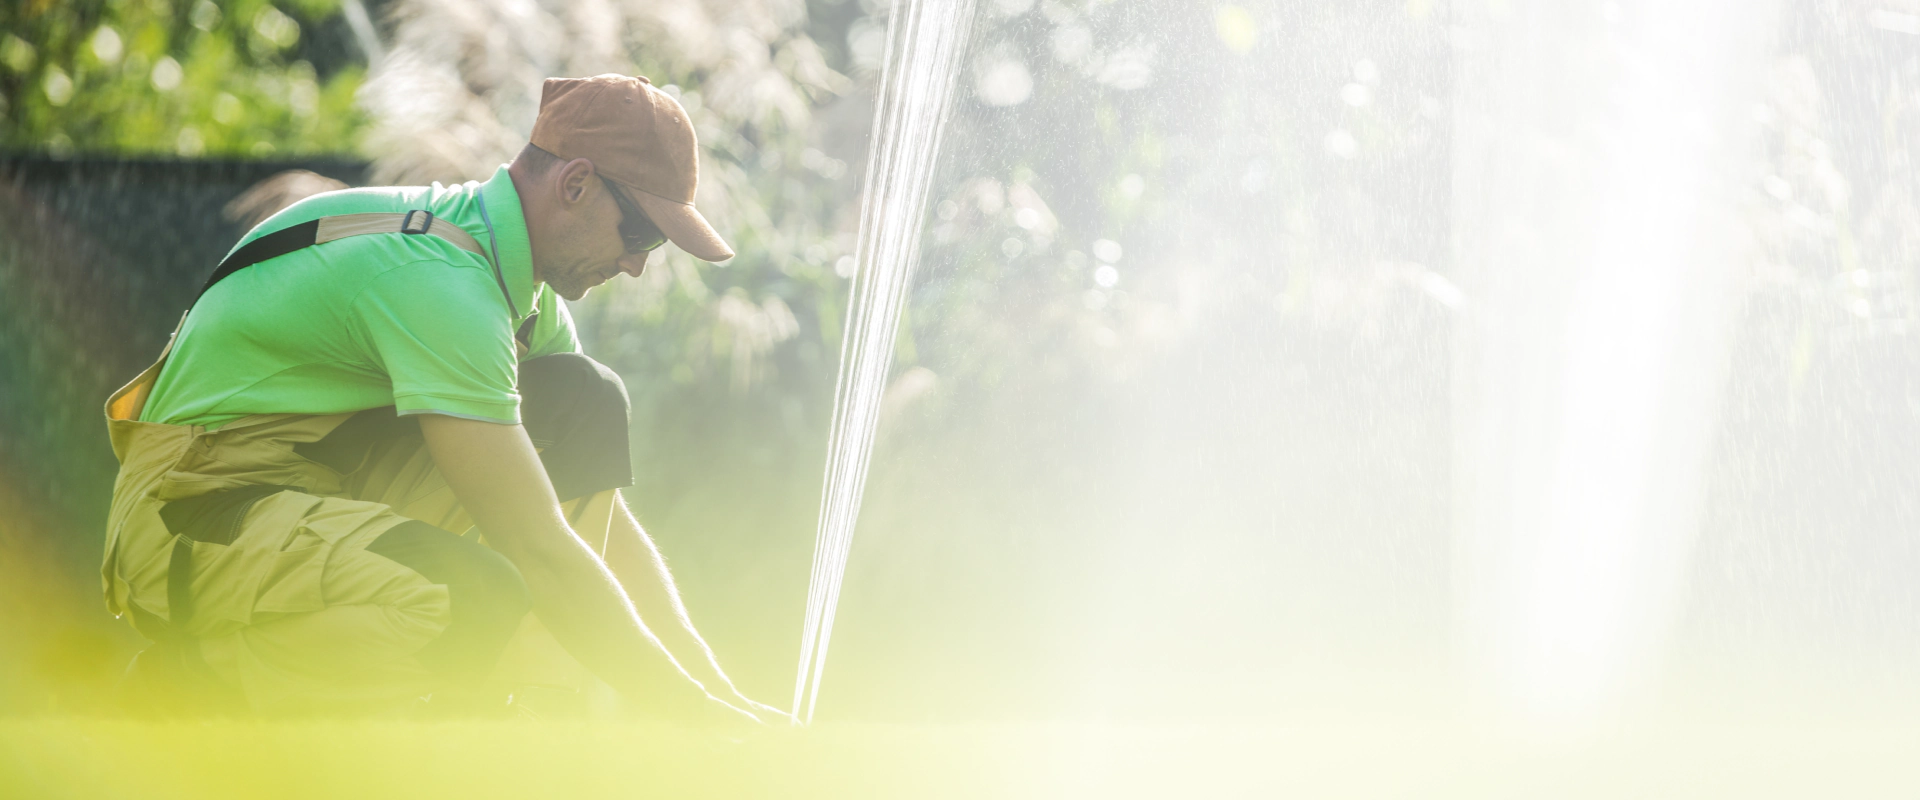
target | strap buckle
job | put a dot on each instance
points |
(409, 224)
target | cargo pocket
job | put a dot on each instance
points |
(299, 540)
(217, 565)
(292, 577)
(293, 583)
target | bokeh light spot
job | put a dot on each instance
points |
(1236, 28)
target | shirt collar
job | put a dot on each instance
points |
(513, 250)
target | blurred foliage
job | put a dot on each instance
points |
(178, 77)
(1832, 201)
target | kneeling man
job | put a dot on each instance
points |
(373, 445)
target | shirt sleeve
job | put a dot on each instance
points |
(445, 340)
(553, 330)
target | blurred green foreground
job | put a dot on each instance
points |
(214, 760)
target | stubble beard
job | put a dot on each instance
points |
(575, 283)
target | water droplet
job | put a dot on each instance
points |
(990, 197)
(1106, 250)
(1002, 80)
(1442, 290)
(189, 142)
(166, 74)
(106, 44)
(205, 15)
(867, 43)
(15, 52)
(1341, 143)
(1235, 27)
(58, 86)
(1126, 69)
(275, 26)
(1071, 43)
(1106, 276)
(1365, 71)
(304, 97)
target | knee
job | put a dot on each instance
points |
(575, 410)
(572, 383)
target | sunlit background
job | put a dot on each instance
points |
(1279, 378)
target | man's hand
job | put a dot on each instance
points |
(495, 472)
(643, 573)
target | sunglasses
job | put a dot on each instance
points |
(638, 232)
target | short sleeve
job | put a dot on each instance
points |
(553, 330)
(444, 338)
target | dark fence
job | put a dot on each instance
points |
(98, 257)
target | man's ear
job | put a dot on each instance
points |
(572, 182)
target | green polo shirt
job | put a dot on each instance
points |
(368, 321)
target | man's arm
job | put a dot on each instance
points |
(496, 473)
(643, 572)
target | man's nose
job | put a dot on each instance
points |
(634, 264)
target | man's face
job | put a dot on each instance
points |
(584, 248)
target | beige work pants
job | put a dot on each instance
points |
(292, 615)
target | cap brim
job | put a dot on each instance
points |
(683, 225)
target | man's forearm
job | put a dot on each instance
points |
(641, 570)
(496, 474)
(582, 605)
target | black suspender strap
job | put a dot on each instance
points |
(179, 577)
(272, 245)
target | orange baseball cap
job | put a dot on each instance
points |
(638, 137)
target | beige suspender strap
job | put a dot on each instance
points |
(326, 229)
(345, 225)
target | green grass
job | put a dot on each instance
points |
(90, 758)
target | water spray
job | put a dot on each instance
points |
(924, 41)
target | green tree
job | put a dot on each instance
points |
(182, 77)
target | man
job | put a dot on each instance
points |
(373, 373)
